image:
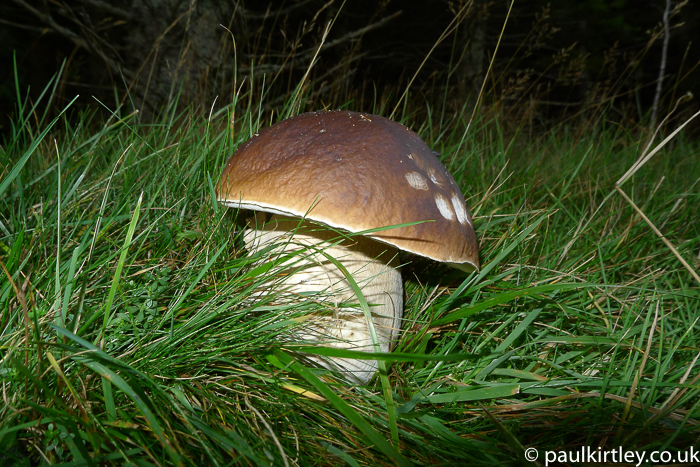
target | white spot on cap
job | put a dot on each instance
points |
(460, 209)
(417, 181)
(434, 178)
(444, 206)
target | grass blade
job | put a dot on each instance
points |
(281, 359)
(27, 154)
(120, 265)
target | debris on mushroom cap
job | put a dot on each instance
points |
(355, 171)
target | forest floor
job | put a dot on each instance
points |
(132, 329)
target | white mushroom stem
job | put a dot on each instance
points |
(374, 266)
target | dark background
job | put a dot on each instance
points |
(567, 61)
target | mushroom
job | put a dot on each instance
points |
(354, 172)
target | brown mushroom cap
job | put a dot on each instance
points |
(356, 172)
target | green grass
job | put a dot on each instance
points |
(135, 330)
